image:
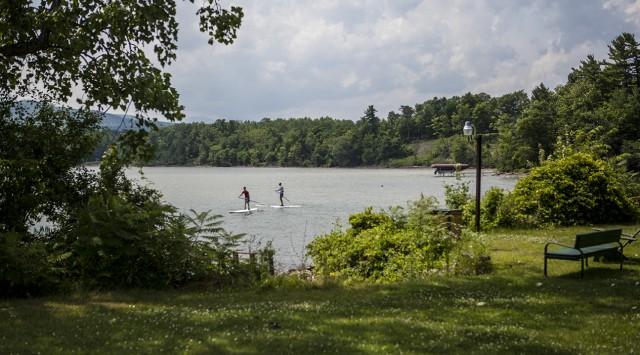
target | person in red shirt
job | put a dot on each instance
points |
(245, 192)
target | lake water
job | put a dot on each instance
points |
(326, 195)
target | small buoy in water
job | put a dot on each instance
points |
(381, 185)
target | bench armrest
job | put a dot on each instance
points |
(546, 246)
(634, 235)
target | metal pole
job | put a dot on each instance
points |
(478, 177)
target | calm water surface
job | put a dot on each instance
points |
(326, 195)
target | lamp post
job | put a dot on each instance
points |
(468, 131)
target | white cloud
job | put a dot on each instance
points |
(631, 9)
(316, 58)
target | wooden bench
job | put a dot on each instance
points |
(586, 245)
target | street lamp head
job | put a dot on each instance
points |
(468, 128)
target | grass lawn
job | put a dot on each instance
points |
(513, 310)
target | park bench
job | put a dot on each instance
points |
(586, 245)
(630, 238)
(625, 239)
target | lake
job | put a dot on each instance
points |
(327, 195)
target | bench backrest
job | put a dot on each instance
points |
(596, 238)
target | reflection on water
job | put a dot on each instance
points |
(327, 195)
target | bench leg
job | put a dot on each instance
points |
(545, 266)
(586, 261)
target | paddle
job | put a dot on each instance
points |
(283, 196)
(258, 204)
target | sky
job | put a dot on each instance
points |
(307, 58)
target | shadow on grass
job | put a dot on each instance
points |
(513, 313)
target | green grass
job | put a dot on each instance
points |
(513, 310)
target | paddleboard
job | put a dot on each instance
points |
(286, 206)
(244, 211)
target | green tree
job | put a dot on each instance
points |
(48, 47)
(624, 65)
(39, 153)
(369, 123)
(536, 128)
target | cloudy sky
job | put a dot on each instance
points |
(335, 57)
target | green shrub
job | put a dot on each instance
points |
(420, 212)
(578, 189)
(378, 254)
(456, 195)
(490, 207)
(388, 251)
(509, 215)
(27, 267)
(115, 243)
(367, 220)
(214, 243)
(469, 212)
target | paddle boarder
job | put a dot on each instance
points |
(245, 192)
(280, 189)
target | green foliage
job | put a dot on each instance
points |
(382, 250)
(27, 267)
(102, 50)
(367, 220)
(578, 189)
(117, 243)
(214, 242)
(293, 142)
(456, 195)
(490, 206)
(420, 212)
(39, 152)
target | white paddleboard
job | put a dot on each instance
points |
(244, 211)
(286, 206)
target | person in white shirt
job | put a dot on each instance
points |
(280, 189)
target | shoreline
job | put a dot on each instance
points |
(485, 171)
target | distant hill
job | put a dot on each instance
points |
(110, 121)
(113, 121)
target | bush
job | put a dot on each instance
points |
(215, 244)
(367, 220)
(115, 243)
(578, 189)
(420, 212)
(26, 267)
(456, 195)
(387, 251)
(491, 207)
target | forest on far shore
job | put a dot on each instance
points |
(597, 110)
